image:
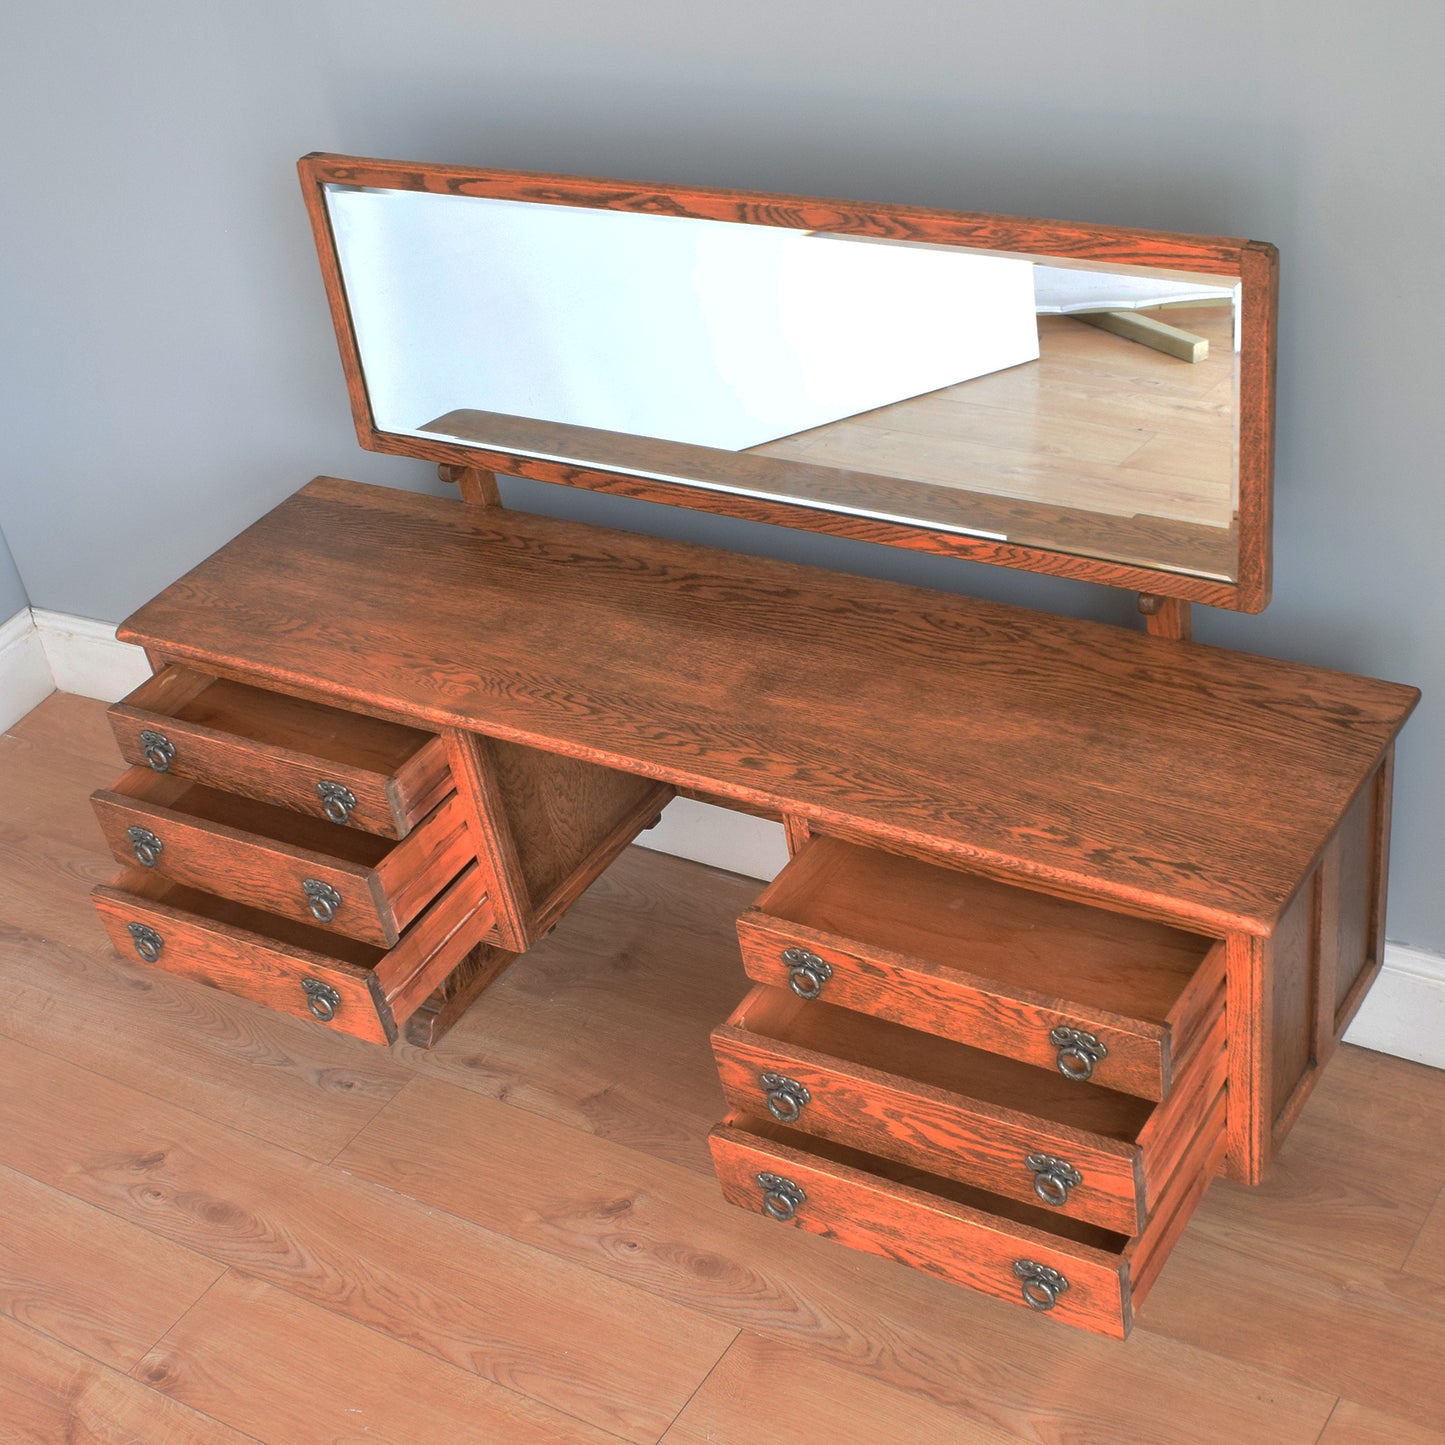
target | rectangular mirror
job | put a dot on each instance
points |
(1072, 399)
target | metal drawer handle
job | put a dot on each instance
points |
(159, 750)
(1053, 1178)
(148, 943)
(146, 845)
(323, 899)
(781, 1197)
(786, 1097)
(807, 973)
(321, 999)
(1078, 1052)
(1041, 1286)
(336, 801)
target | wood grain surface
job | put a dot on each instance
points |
(941, 1106)
(1184, 783)
(1253, 263)
(591, 1244)
(969, 958)
(961, 1236)
(268, 745)
(263, 855)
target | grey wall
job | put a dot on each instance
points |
(174, 375)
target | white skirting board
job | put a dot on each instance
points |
(1404, 1013)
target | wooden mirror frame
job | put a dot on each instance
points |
(1254, 263)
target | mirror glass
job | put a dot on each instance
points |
(1082, 407)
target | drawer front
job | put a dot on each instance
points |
(349, 986)
(250, 741)
(1018, 1132)
(958, 1242)
(1101, 997)
(1097, 1046)
(371, 895)
(281, 976)
(1074, 1273)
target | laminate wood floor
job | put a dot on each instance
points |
(221, 1224)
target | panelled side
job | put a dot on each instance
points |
(1293, 995)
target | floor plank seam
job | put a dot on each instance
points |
(727, 1350)
(171, 1103)
(1324, 1429)
(170, 1328)
(381, 1109)
(1420, 1233)
(126, 1375)
(393, 1339)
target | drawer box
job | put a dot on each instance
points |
(298, 866)
(1122, 1001)
(380, 777)
(295, 967)
(1097, 1278)
(963, 1113)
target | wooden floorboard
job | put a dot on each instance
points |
(49, 1393)
(218, 1224)
(335, 1380)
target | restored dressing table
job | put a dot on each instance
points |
(1075, 915)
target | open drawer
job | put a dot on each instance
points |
(1122, 1002)
(295, 967)
(293, 864)
(960, 1112)
(1078, 1273)
(362, 772)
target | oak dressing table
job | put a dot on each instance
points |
(1075, 914)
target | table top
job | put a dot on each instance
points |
(1169, 779)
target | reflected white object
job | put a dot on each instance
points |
(707, 332)
(1069, 291)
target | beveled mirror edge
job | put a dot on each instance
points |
(1255, 263)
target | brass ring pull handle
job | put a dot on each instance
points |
(1039, 1285)
(781, 1197)
(337, 801)
(322, 898)
(807, 973)
(1078, 1052)
(146, 845)
(159, 750)
(148, 943)
(321, 999)
(1053, 1178)
(785, 1096)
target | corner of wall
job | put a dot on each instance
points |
(25, 676)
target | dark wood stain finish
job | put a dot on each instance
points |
(1255, 263)
(959, 1112)
(1166, 780)
(999, 821)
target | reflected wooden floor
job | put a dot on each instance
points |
(220, 1224)
(1097, 424)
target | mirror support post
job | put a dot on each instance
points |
(1166, 616)
(477, 487)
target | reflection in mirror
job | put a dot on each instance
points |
(1055, 403)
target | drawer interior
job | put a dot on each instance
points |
(1025, 940)
(250, 815)
(875, 1043)
(152, 886)
(275, 720)
(994, 1205)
